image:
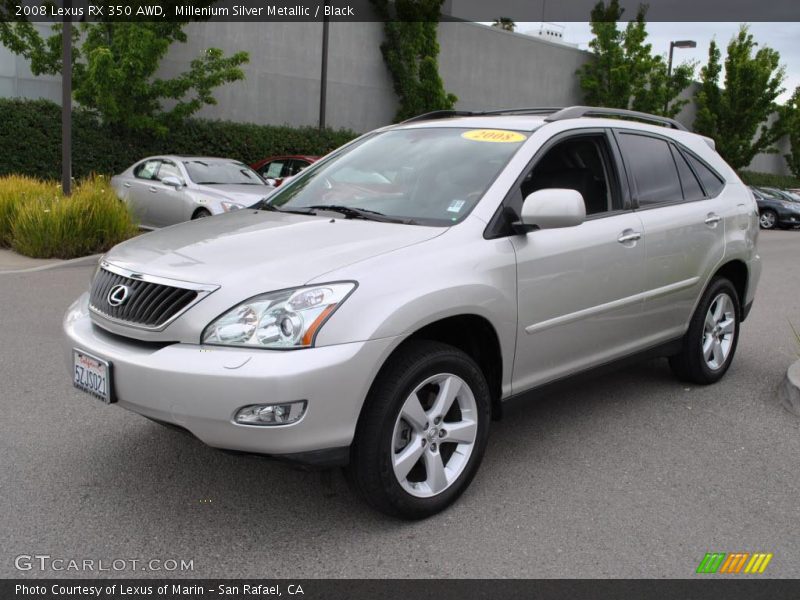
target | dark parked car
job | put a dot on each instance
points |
(277, 168)
(785, 194)
(776, 209)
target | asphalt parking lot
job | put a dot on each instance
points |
(628, 475)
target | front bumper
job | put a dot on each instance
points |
(200, 388)
(788, 218)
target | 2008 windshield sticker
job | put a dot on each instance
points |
(494, 135)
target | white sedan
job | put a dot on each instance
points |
(164, 190)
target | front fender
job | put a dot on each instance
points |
(403, 291)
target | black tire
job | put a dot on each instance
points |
(370, 471)
(691, 365)
(200, 213)
(771, 222)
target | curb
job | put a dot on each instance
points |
(790, 390)
(73, 262)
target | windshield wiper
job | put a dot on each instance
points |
(361, 213)
(265, 205)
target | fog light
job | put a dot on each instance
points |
(271, 414)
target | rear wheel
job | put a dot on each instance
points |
(710, 342)
(423, 432)
(768, 219)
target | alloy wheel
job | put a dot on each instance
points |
(434, 435)
(718, 331)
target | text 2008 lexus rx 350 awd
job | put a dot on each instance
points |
(376, 311)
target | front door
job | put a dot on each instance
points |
(579, 288)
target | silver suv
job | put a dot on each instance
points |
(376, 311)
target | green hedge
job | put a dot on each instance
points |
(769, 180)
(30, 141)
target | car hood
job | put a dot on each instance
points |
(260, 250)
(242, 193)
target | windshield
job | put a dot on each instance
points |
(210, 172)
(782, 194)
(768, 194)
(431, 176)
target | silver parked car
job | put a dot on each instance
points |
(164, 190)
(376, 311)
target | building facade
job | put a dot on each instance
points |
(486, 67)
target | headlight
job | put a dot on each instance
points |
(282, 320)
(229, 206)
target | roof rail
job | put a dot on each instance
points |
(439, 114)
(574, 112)
(445, 114)
(537, 110)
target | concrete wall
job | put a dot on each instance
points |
(491, 68)
(485, 67)
(17, 81)
(282, 84)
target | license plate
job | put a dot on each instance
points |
(92, 375)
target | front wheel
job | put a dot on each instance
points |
(423, 432)
(710, 342)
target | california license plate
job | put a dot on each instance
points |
(92, 375)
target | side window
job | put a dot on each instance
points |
(147, 169)
(293, 167)
(711, 182)
(691, 187)
(168, 169)
(272, 169)
(650, 164)
(580, 163)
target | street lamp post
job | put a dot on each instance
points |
(66, 102)
(672, 46)
(323, 78)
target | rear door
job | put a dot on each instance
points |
(679, 201)
(139, 194)
(166, 204)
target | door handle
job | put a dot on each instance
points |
(629, 236)
(712, 219)
(127, 185)
(152, 189)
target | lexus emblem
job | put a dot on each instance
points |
(118, 294)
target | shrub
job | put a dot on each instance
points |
(769, 180)
(16, 191)
(50, 225)
(30, 139)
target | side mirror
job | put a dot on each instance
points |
(172, 181)
(271, 181)
(553, 208)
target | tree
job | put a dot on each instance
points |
(115, 65)
(410, 51)
(505, 24)
(624, 73)
(790, 124)
(737, 115)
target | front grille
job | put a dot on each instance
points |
(146, 304)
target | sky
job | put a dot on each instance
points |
(783, 37)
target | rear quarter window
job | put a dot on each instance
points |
(712, 183)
